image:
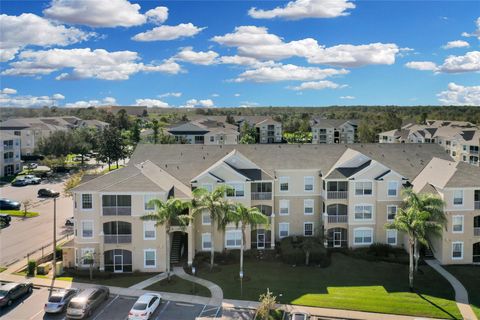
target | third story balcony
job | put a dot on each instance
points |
(261, 196)
(117, 205)
(261, 191)
(337, 190)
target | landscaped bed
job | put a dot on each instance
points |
(178, 285)
(469, 276)
(348, 283)
(19, 213)
(123, 280)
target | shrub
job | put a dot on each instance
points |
(292, 251)
(380, 249)
(32, 265)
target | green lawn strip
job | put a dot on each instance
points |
(469, 276)
(178, 285)
(112, 167)
(19, 213)
(2, 269)
(347, 283)
(117, 280)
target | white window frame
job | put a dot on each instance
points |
(204, 235)
(283, 180)
(83, 252)
(283, 224)
(458, 204)
(389, 236)
(363, 237)
(236, 238)
(396, 188)
(308, 203)
(81, 229)
(304, 229)
(388, 212)
(280, 206)
(363, 205)
(462, 224)
(305, 183)
(145, 258)
(453, 246)
(91, 201)
(206, 214)
(146, 199)
(233, 185)
(147, 224)
(363, 189)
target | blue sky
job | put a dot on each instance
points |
(226, 54)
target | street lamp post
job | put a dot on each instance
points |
(241, 283)
(193, 273)
(54, 261)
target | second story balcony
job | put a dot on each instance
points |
(117, 232)
(337, 190)
(117, 205)
(261, 191)
(476, 226)
(337, 213)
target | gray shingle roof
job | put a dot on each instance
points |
(466, 175)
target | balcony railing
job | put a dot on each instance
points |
(337, 194)
(8, 160)
(477, 204)
(7, 147)
(261, 196)
(118, 238)
(473, 151)
(476, 231)
(117, 211)
(337, 219)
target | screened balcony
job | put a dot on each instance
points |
(337, 190)
(261, 191)
(117, 232)
(337, 213)
(117, 205)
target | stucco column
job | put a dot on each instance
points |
(100, 255)
(272, 228)
(191, 244)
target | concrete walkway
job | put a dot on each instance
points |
(150, 281)
(461, 294)
(215, 290)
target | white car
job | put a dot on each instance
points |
(31, 179)
(145, 306)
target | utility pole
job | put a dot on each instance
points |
(54, 261)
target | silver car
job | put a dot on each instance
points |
(59, 300)
(84, 304)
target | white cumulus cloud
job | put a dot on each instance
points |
(170, 94)
(107, 101)
(317, 85)
(301, 9)
(8, 91)
(470, 62)
(347, 97)
(456, 44)
(157, 15)
(196, 57)
(194, 103)
(288, 72)
(168, 32)
(58, 96)
(475, 33)
(460, 95)
(150, 103)
(421, 65)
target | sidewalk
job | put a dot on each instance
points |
(215, 290)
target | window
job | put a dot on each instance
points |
(392, 237)
(206, 241)
(363, 188)
(87, 201)
(391, 212)
(308, 229)
(283, 229)
(150, 259)
(147, 198)
(86, 254)
(458, 197)
(233, 239)
(363, 236)
(363, 212)
(149, 231)
(206, 218)
(208, 186)
(283, 183)
(284, 207)
(308, 183)
(457, 224)
(236, 190)
(212, 138)
(457, 250)
(308, 206)
(87, 229)
(392, 188)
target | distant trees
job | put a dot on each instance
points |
(111, 146)
(248, 134)
(155, 128)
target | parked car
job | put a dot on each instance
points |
(70, 221)
(86, 302)
(59, 300)
(5, 219)
(49, 193)
(145, 306)
(299, 316)
(31, 179)
(12, 291)
(6, 204)
(20, 183)
(32, 165)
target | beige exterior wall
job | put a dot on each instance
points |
(277, 132)
(15, 161)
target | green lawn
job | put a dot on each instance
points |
(347, 283)
(2, 269)
(112, 167)
(19, 213)
(469, 276)
(178, 285)
(116, 280)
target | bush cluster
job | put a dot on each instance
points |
(293, 252)
(380, 252)
(32, 265)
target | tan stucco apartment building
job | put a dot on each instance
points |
(345, 192)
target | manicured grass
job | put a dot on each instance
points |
(347, 283)
(116, 280)
(178, 285)
(469, 276)
(19, 213)
(112, 167)
(2, 269)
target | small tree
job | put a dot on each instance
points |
(156, 129)
(267, 304)
(26, 204)
(72, 182)
(307, 245)
(89, 259)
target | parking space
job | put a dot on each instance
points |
(238, 313)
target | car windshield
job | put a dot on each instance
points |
(76, 305)
(55, 299)
(3, 293)
(139, 306)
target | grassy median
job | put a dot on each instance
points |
(469, 276)
(348, 283)
(19, 213)
(178, 285)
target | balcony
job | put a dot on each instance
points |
(117, 211)
(337, 194)
(7, 147)
(261, 196)
(117, 238)
(337, 219)
(476, 205)
(8, 160)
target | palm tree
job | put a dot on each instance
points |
(421, 217)
(168, 213)
(217, 206)
(244, 217)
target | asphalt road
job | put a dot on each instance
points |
(26, 235)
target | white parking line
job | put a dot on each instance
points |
(35, 315)
(184, 304)
(163, 309)
(108, 305)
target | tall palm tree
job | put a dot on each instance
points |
(216, 205)
(421, 217)
(168, 213)
(244, 217)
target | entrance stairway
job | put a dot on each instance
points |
(175, 251)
